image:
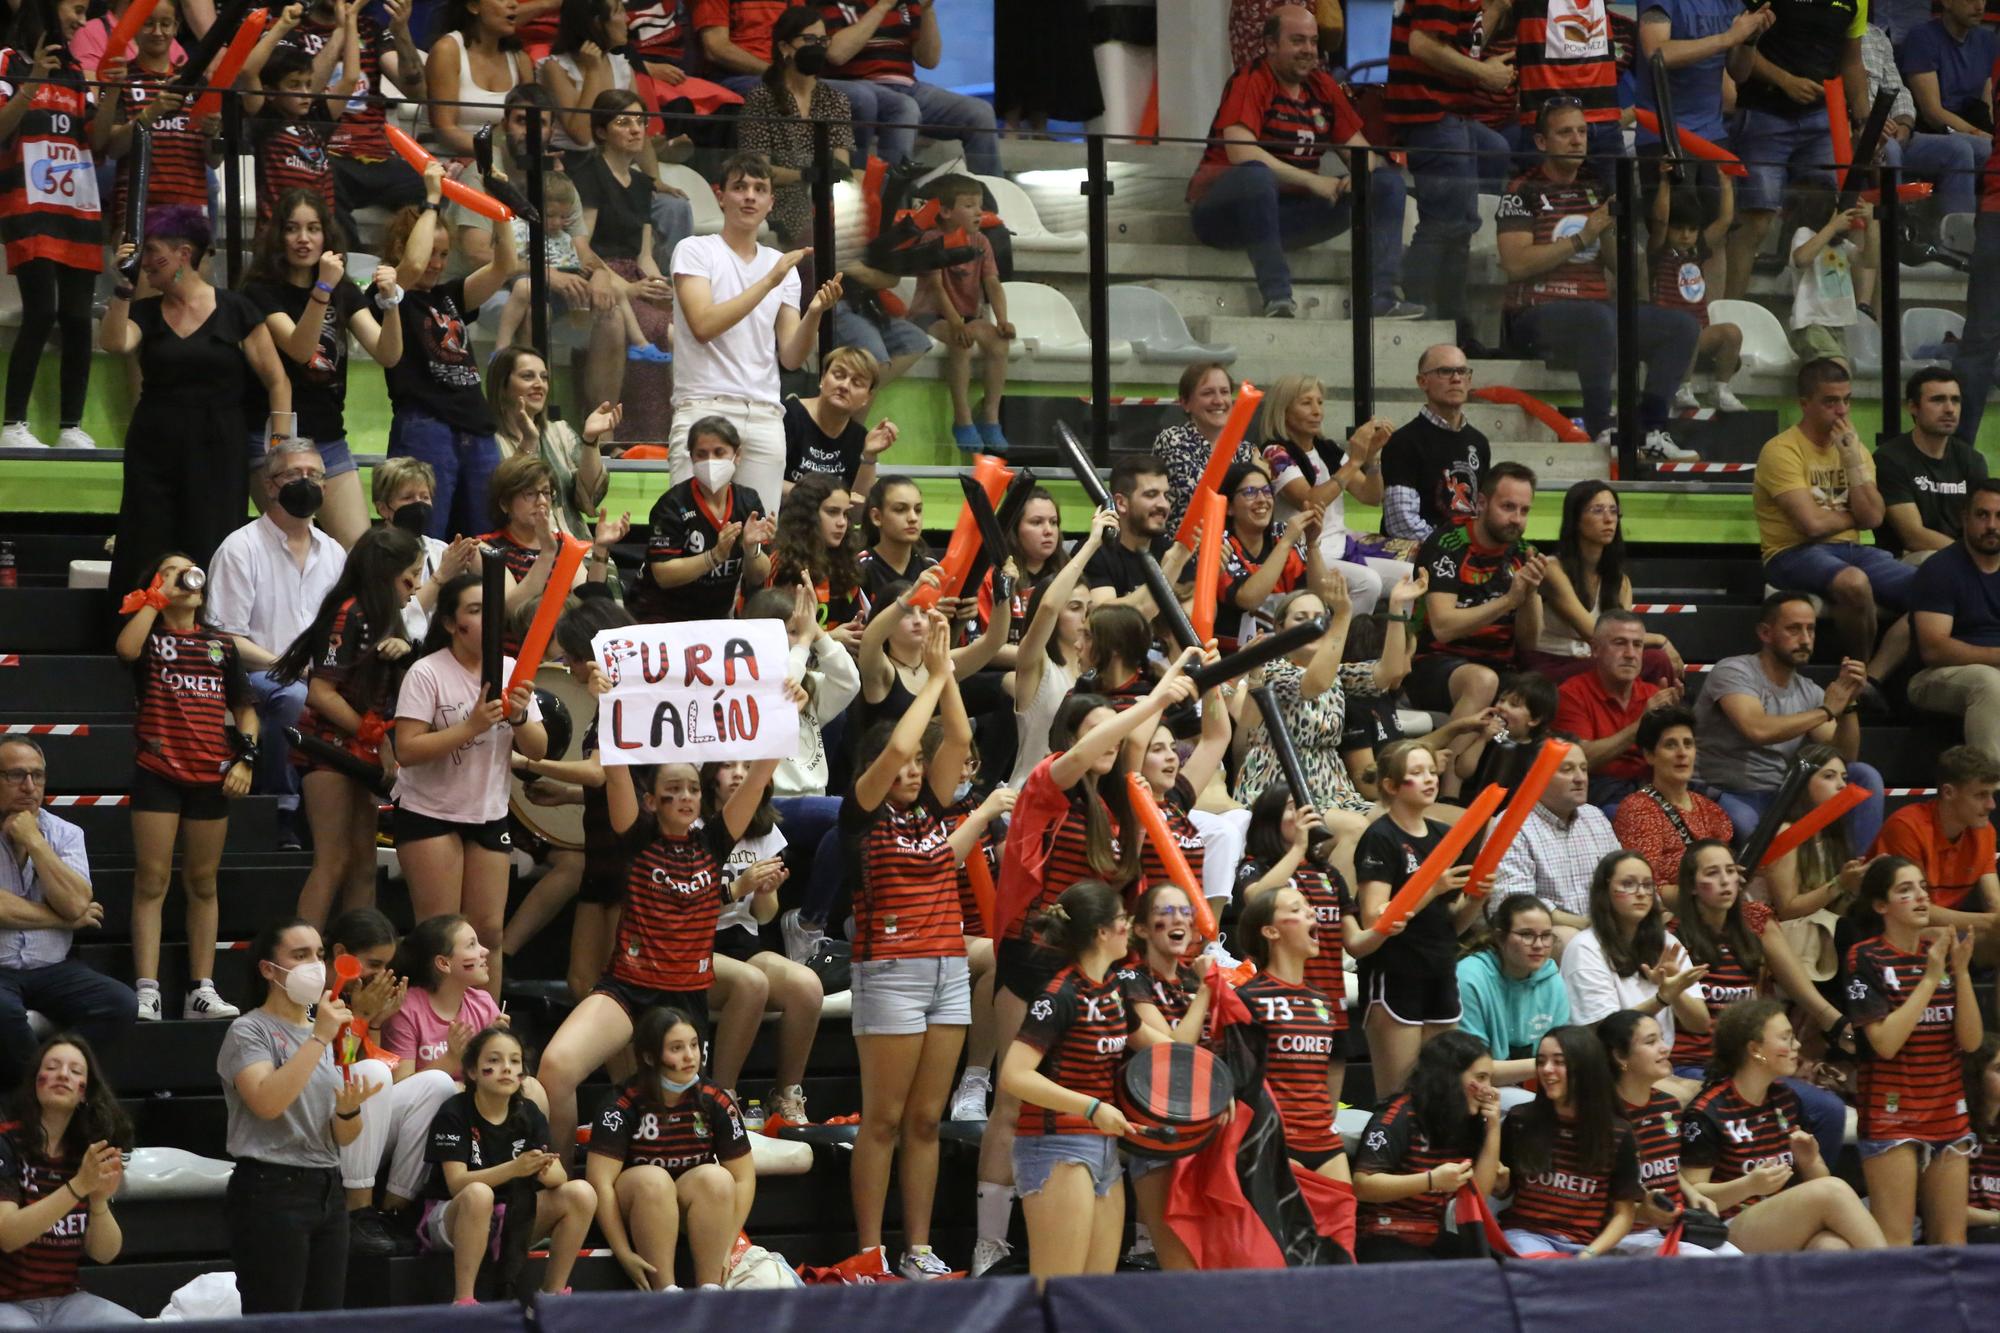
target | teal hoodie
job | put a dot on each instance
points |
(1510, 1016)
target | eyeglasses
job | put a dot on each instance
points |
(627, 122)
(543, 494)
(1451, 372)
(1254, 492)
(1635, 888)
(1601, 511)
(1171, 912)
(298, 474)
(1534, 936)
(24, 777)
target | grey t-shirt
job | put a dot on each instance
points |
(302, 1136)
(1725, 756)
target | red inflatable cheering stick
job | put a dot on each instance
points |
(478, 201)
(231, 64)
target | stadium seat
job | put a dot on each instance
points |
(1955, 232)
(173, 1173)
(779, 1157)
(1018, 212)
(1864, 346)
(701, 195)
(1047, 326)
(1765, 346)
(1147, 319)
(1926, 330)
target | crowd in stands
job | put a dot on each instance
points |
(1617, 1031)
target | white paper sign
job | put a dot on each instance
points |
(693, 691)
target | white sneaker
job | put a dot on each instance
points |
(800, 940)
(788, 1104)
(969, 1101)
(1727, 401)
(149, 1006)
(203, 1002)
(921, 1264)
(1684, 399)
(75, 437)
(1223, 958)
(986, 1253)
(16, 435)
(1661, 448)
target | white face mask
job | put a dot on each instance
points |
(960, 792)
(667, 1082)
(714, 473)
(305, 983)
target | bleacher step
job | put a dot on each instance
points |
(61, 687)
(1322, 347)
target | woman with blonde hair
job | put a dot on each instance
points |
(1309, 470)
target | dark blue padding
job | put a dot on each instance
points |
(1000, 1305)
(1467, 1295)
(492, 1317)
(1975, 1282)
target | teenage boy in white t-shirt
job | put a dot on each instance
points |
(736, 320)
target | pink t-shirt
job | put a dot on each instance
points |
(91, 39)
(417, 1033)
(469, 785)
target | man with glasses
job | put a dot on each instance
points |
(46, 875)
(1562, 841)
(264, 587)
(1431, 466)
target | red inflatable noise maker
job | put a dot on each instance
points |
(477, 201)
(1175, 1095)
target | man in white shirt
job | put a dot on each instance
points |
(264, 587)
(736, 321)
(1558, 847)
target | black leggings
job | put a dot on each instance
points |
(51, 293)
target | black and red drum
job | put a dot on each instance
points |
(1175, 1095)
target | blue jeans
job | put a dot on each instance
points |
(886, 117)
(1245, 210)
(1980, 342)
(900, 338)
(1814, 566)
(808, 822)
(1954, 161)
(73, 996)
(1745, 808)
(1584, 334)
(1445, 158)
(79, 1309)
(1779, 149)
(463, 462)
(673, 222)
(278, 707)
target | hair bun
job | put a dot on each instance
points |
(1057, 912)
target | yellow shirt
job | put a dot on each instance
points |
(1791, 462)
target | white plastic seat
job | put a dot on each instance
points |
(1765, 344)
(1145, 317)
(701, 195)
(1864, 346)
(780, 1157)
(1046, 325)
(1018, 211)
(1929, 326)
(172, 1173)
(1955, 232)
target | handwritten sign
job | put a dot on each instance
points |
(695, 690)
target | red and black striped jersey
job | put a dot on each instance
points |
(888, 56)
(1419, 93)
(748, 21)
(1679, 280)
(1551, 210)
(1327, 894)
(1174, 807)
(1565, 51)
(359, 132)
(972, 922)
(1732, 1137)
(1232, 623)
(1140, 984)
(187, 684)
(1079, 1026)
(1656, 1129)
(348, 643)
(519, 560)
(1983, 1179)
(1727, 982)
(291, 155)
(1394, 1144)
(1566, 1199)
(46, 1266)
(1301, 1038)
(674, 893)
(905, 884)
(1069, 851)
(49, 206)
(1296, 127)
(640, 1129)
(655, 30)
(177, 165)
(1919, 1092)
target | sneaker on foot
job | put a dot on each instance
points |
(1660, 447)
(987, 1253)
(75, 437)
(367, 1237)
(1390, 308)
(149, 1006)
(1727, 401)
(1285, 309)
(787, 1104)
(1684, 399)
(990, 437)
(969, 1101)
(967, 438)
(204, 1002)
(801, 940)
(921, 1264)
(16, 435)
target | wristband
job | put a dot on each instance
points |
(76, 1193)
(355, 1114)
(323, 288)
(1003, 589)
(390, 298)
(124, 291)
(1090, 1115)
(1403, 619)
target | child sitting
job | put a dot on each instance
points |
(565, 244)
(949, 303)
(1825, 255)
(1678, 247)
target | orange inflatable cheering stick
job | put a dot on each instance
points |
(1440, 859)
(1248, 398)
(1178, 869)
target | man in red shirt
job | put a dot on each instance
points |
(1952, 840)
(1259, 186)
(735, 39)
(1602, 706)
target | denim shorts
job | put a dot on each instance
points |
(901, 997)
(1138, 1167)
(334, 453)
(899, 338)
(1926, 1150)
(1814, 566)
(1036, 1156)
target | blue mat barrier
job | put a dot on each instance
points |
(1003, 1305)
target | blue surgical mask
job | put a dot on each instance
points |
(677, 1088)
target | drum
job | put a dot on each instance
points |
(563, 699)
(1175, 1096)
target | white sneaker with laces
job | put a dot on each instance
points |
(1223, 958)
(1684, 399)
(800, 939)
(986, 1253)
(1727, 401)
(204, 1002)
(16, 435)
(788, 1103)
(969, 1101)
(75, 437)
(1661, 448)
(921, 1264)
(149, 1006)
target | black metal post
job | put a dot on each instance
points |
(1625, 216)
(538, 272)
(1361, 282)
(232, 184)
(822, 202)
(1889, 303)
(1097, 212)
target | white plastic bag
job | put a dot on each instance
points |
(759, 1267)
(210, 1296)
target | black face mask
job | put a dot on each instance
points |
(413, 518)
(300, 498)
(809, 60)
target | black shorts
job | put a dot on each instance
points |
(1428, 686)
(1410, 1000)
(738, 943)
(636, 1000)
(163, 796)
(603, 881)
(1313, 1161)
(495, 835)
(1025, 967)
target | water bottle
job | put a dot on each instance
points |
(753, 1116)
(9, 577)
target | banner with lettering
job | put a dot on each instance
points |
(693, 691)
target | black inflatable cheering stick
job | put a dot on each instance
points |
(194, 74)
(499, 186)
(334, 757)
(1663, 107)
(1170, 608)
(1262, 649)
(492, 621)
(1775, 816)
(1858, 175)
(993, 542)
(138, 174)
